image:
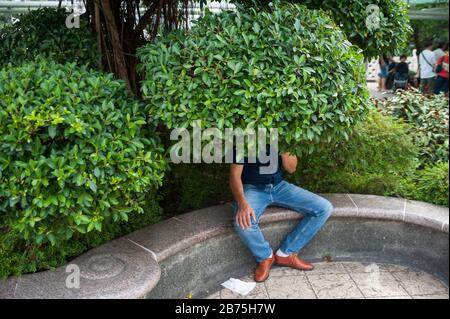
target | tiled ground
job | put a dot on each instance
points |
(337, 280)
(373, 89)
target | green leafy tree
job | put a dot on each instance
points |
(391, 37)
(43, 32)
(289, 68)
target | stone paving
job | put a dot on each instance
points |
(373, 90)
(344, 280)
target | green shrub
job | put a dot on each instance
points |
(290, 69)
(76, 153)
(17, 257)
(193, 186)
(429, 116)
(432, 184)
(378, 154)
(379, 158)
(390, 38)
(44, 32)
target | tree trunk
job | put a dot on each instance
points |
(121, 29)
(120, 64)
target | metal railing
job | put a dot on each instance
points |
(9, 8)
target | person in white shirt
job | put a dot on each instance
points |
(440, 50)
(427, 63)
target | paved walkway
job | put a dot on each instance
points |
(344, 280)
(373, 89)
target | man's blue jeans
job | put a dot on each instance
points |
(315, 209)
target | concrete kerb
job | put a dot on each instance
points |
(130, 267)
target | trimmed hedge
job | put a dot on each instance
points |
(76, 156)
(290, 69)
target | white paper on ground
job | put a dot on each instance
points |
(239, 286)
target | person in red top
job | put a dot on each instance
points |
(441, 84)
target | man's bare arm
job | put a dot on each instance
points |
(236, 183)
(245, 212)
(289, 162)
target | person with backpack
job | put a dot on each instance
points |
(401, 74)
(427, 63)
(441, 85)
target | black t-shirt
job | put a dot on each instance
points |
(402, 67)
(252, 174)
(392, 66)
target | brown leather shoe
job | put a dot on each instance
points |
(263, 269)
(293, 261)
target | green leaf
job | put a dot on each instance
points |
(90, 227)
(51, 238)
(52, 131)
(205, 79)
(93, 186)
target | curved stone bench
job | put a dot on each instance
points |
(194, 252)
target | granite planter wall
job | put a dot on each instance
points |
(192, 253)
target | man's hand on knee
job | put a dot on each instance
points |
(245, 215)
